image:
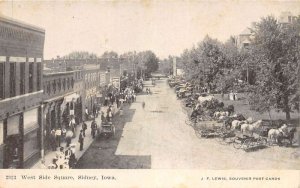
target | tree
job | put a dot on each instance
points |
(275, 55)
(148, 60)
(110, 54)
(80, 55)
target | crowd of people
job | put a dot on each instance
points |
(65, 157)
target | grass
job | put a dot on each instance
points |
(242, 106)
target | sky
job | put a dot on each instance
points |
(165, 27)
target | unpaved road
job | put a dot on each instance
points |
(157, 137)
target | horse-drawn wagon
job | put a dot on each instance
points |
(106, 129)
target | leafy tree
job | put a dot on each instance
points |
(110, 54)
(275, 54)
(80, 55)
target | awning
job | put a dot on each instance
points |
(71, 97)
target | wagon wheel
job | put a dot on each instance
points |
(236, 144)
(263, 141)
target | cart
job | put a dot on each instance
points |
(106, 129)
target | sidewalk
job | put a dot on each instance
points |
(87, 140)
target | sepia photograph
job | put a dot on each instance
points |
(149, 85)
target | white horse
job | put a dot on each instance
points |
(249, 129)
(236, 124)
(273, 134)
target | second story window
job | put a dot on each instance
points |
(12, 80)
(54, 86)
(31, 68)
(2, 83)
(38, 76)
(22, 78)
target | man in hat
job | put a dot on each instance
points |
(93, 128)
(84, 127)
(81, 139)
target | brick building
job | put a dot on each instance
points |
(21, 55)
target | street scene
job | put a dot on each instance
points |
(114, 88)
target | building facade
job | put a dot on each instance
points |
(60, 101)
(21, 55)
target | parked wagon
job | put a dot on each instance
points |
(246, 142)
(106, 129)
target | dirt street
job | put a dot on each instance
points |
(157, 137)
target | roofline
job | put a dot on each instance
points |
(21, 24)
(58, 73)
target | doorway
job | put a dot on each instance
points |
(13, 148)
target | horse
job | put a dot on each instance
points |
(236, 124)
(289, 136)
(250, 128)
(277, 134)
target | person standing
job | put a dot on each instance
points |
(93, 128)
(86, 113)
(84, 127)
(58, 136)
(53, 140)
(81, 140)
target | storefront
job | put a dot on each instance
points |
(21, 135)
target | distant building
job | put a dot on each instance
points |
(243, 40)
(287, 18)
(21, 56)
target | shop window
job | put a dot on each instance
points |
(13, 123)
(22, 78)
(64, 84)
(30, 119)
(12, 79)
(2, 83)
(48, 88)
(59, 84)
(38, 74)
(54, 86)
(31, 145)
(1, 133)
(31, 68)
(72, 82)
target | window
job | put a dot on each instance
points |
(48, 88)
(59, 84)
(13, 125)
(54, 86)
(2, 83)
(31, 145)
(30, 120)
(12, 79)
(1, 132)
(64, 84)
(22, 78)
(38, 76)
(31, 68)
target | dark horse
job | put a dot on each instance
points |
(289, 136)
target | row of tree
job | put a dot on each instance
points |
(267, 69)
(144, 62)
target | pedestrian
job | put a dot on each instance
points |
(81, 140)
(93, 128)
(84, 127)
(94, 110)
(58, 136)
(68, 153)
(53, 140)
(121, 111)
(86, 113)
(69, 135)
(103, 119)
(143, 105)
